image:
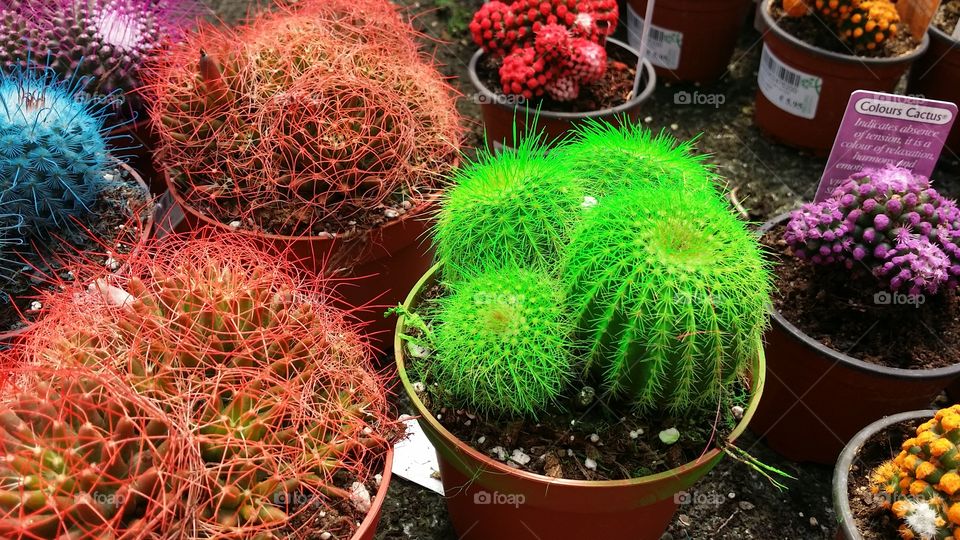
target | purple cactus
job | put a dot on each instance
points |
(889, 220)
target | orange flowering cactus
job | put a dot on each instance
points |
(922, 483)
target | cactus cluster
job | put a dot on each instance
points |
(551, 48)
(921, 485)
(503, 343)
(864, 25)
(304, 115)
(889, 220)
(85, 458)
(271, 386)
(663, 292)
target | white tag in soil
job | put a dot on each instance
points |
(792, 90)
(415, 459)
(956, 32)
(664, 45)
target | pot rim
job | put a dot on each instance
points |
(500, 468)
(413, 213)
(147, 230)
(841, 473)
(941, 35)
(371, 520)
(492, 96)
(839, 57)
(842, 358)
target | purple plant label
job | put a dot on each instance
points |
(880, 129)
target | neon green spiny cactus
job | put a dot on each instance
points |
(669, 293)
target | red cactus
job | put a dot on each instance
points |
(547, 46)
(302, 118)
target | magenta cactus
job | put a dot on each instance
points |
(548, 47)
(891, 221)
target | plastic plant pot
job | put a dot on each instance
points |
(368, 527)
(804, 89)
(841, 473)
(499, 110)
(936, 75)
(10, 337)
(817, 398)
(695, 38)
(539, 507)
(371, 272)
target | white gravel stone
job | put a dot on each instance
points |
(594, 438)
(590, 464)
(360, 497)
(519, 456)
(390, 213)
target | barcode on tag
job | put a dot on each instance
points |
(792, 90)
(664, 45)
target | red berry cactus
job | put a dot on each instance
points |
(548, 47)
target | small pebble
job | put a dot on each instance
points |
(589, 202)
(35, 306)
(747, 506)
(390, 213)
(360, 497)
(235, 224)
(594, 438)
(648, 119)
(499, 452)
(519, 456)
(814, 522)
(684, 520)
(468, 422)
(674, 127)
(572, 438)
(737, 411)
(326, 536)
(590, 464)
(731, 495)
(419, 386)
(378, 478)
(406, 205)
(569, 452)
(634, 434)
(481, 440)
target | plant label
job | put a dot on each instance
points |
(792, 90)
(917, 14)
(881, 129)
(663, 46)
(956, 32)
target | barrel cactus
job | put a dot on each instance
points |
(921, 485)
(300, 120)
(17, 36)
(85, 458)
(502, 343)
(669, 293)
(272, 383)
(516, 207)
(888, 220)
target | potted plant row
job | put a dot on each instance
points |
(571, 387)
(867, 311)
(63, 194)
(816, 53)
(209, 390)
(690, 40)
(936, 74)
(551, 65)
(321, 130)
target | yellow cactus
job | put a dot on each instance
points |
(868, 23)
(921, 484)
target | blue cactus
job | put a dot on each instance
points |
(9, 239)
(53, 151)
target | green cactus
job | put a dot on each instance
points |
(669, 293)
(502, 344)
(608, 157)
(517, 207)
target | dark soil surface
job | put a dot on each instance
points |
(948, 16)
(841, 310)
(816, 32)
(338, 520)
(614, 89)
(872, 520)
(111, 227)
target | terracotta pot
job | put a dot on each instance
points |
(371, 272)
(841, 473)
(141, 137)
(837, 76)
(936, 75)
(499, 110)
(10, 337)
(368, 527)
(817, 398)
(708, 33)
(550, 508)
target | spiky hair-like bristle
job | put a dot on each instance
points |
(607, 157)
(513, 207)
(669, 292)
(502, 343)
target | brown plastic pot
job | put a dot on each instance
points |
(710, 31)
(372, 271)
(840, 74)
(10, 337)
(499, 110)
(841, 473)
(551, 508)
(141, 136)
(817, 398)
(936, 75)
(368, 527)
